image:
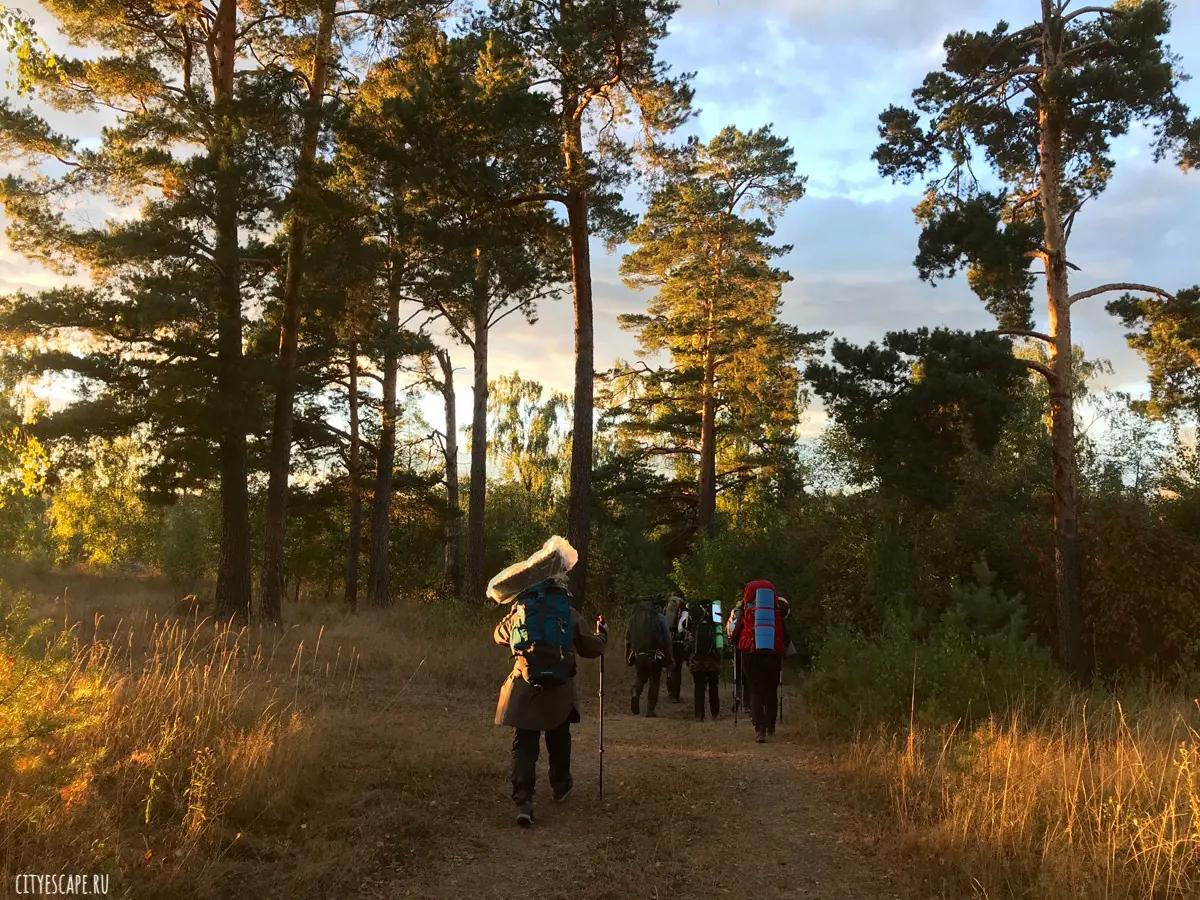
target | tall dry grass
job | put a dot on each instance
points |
(149, 749)
(1098, 800)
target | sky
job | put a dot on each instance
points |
(821, 71)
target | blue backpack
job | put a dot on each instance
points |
(542, 639)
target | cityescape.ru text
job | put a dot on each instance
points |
(52, 885)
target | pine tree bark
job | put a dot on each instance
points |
(475, 578)
(579, 506)
(453, 517)
(707, 488)
(1068, 608)
(353, 473)
(378, 588)
(272, 575)
(233, 569)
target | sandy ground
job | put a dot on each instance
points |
(416, 804)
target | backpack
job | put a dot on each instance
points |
(542, 639)
(761, 625)
(645, 634)
(674, 609)
(702, 633)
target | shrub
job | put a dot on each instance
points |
(976, 660)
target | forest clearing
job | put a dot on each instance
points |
(315, 315)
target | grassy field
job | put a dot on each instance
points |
(352, 756)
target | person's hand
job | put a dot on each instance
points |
(601, 626)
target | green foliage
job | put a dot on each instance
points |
(1167, 336)
(38, 703)
(187, 539)
(96, 512)
(978, 659)
(527, 438)
(1140, 590)
(918, 404)
(599, 76)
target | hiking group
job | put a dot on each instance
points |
(665, 634)
(545, 634)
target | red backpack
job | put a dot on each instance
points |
(761, 626)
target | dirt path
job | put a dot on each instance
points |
(417, 806)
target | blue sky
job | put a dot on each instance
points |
(821, 71)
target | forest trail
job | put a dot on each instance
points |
(417, 805)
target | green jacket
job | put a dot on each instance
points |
(521, 705)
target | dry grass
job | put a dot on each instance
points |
(156, 740)
(355, 757)
(1097, 801)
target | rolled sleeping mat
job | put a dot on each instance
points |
(764, 619)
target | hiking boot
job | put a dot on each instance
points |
(760, 736)
(634, 705)
(525, 815)
(770, 732)
(699, 718)
(562, 795)
(651, 714)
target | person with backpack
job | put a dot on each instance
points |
(545, 634)
(759, 634)
(676, 606)
(704, 656)
(647, 649)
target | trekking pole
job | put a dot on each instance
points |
(601, 727)
(737, 685)
(780, 696)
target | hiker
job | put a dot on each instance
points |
(676, 606)
(544, 633)
(759, 633)
(648, 649)
(704, 656)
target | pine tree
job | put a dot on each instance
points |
(598, 60)
(200, 130)
(716, 306)
(317, 62)
(456, 132)
(1041, 105)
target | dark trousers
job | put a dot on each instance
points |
(525, 747)
(701, 681)
(646, 673)
(675, 675)
(762, 678)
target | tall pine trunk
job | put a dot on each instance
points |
(453, 517)
(708, 454)
(353, 473)
(272, 576)
(1067, 607)
(233, 569)
(378, 589)
(475, 579)
(707, 488)
(579, 506)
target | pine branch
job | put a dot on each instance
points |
(1045, 370)
(1120, 286)
(1099, 10)
(1021, 332)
